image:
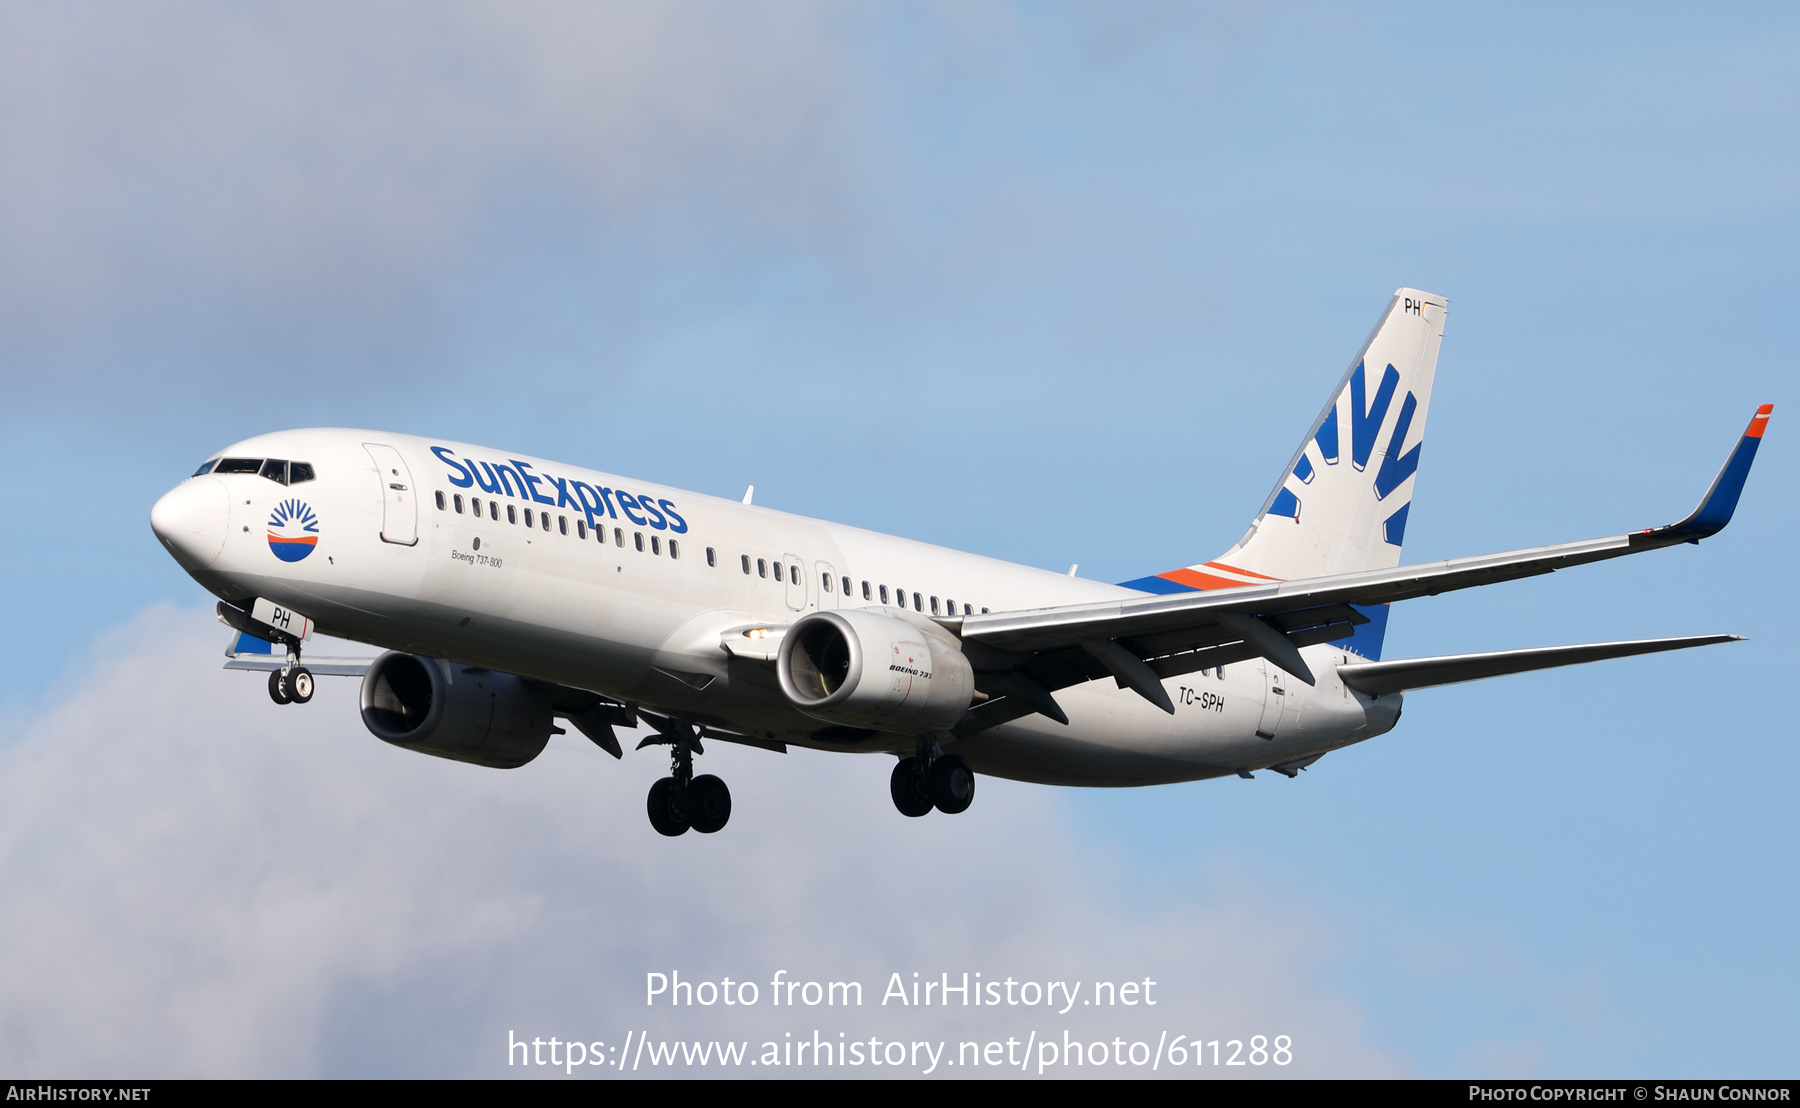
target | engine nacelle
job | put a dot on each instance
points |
(450, 711)
(864, 669)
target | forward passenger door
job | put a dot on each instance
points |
(399, 502)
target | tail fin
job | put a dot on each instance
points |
(1342, 501)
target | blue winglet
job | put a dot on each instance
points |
(1720, 501)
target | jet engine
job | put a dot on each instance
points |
(861, 668)
(449, 711)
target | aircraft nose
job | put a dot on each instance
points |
(192, 519)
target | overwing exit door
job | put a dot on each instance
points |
(399, 502)
(796, 582)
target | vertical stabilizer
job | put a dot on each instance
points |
(1342, 501)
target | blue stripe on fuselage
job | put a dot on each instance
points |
(1159, 585)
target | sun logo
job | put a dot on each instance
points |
(1367, 416)
(293, 530)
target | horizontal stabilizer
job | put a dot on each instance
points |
(1377, 678)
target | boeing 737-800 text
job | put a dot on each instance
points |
(511, 592)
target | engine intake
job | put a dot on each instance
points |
(449, 711)
(861, 668)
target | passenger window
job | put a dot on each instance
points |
(512, 514)
(794, 574)
(884, 598)
(711, 558)
(844, 584)
(440, 499)
(674, 551)
(206, 467)
(581, 528)
(917, 607)
(238, 465)
(934, 608)
(745, 558)
(528, 522)
(984, 611)
(475, 505)
(562, 524)
(949, 606)
(619, 537)
(299, 471)
(544, 521)
(866, 591)
(900, 597)
(762, 568)
(638, 537)
(967, 611)
(458, 499)
(825, 579)
(655, 544)
(494, 511)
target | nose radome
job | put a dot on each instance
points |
(191, 520)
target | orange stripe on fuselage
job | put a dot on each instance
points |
(1196, 580)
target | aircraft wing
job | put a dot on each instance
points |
(246, 651)
(1020, 658)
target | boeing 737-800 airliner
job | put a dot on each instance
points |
(511, 592)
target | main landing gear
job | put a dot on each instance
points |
(681, 800)
(293, 682)
(932, 779)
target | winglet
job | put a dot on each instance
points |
(1720, 501)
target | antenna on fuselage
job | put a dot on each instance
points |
(749, 492)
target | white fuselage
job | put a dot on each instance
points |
(632, 596)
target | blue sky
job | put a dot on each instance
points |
(1053, 282)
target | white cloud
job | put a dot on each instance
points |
(201, 883)
(326, 149)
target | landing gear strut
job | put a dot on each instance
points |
(681, 800)
(932, 779)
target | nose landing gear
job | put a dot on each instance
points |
(681, 800)
(932, 779)
(292, 683)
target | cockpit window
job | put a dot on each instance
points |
(278, 470)
(206, 467)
